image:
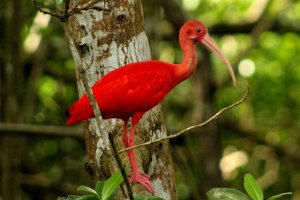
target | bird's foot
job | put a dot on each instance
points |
(143, 179)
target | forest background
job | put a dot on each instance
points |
(42, 159)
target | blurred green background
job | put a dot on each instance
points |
(261, 136)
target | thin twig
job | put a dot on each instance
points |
(78, 8)
(47, 12)
(122, 169)
(87, 6)
(93, 102)
(214, 117)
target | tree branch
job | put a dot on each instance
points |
(123, 172)
(78, 8)
(184, 131)
(61, 17)
(86, 6)
(92, 101)
(14, 128)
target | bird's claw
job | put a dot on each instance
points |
(142, 179)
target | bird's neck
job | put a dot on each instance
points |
(189, 63)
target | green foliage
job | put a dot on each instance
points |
(106, 190)
(99, 187)
(111, 185)
(251, 186)
(226, 194)
(279, 195)
(87, 189)
(85, 197)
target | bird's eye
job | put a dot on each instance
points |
(199, 30)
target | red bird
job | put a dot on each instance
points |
(133, 89)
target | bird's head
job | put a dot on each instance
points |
(197, 31)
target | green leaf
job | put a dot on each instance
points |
(72, 197)
(99, 187)
(253, 188)
(279, 195)
(84, 197)
(226, 194)
(111, 185)
(145, 197)
(112, 197)
(87, 189)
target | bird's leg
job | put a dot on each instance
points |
(125, 136)
(136, 176)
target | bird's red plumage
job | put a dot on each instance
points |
(133, 88)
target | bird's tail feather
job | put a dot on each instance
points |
(79, 111)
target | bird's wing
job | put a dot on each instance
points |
(136, 87)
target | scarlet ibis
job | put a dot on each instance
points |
(131, 90)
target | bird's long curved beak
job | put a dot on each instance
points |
(210, 43)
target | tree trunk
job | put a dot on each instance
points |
(11, 73)
(107, 40)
